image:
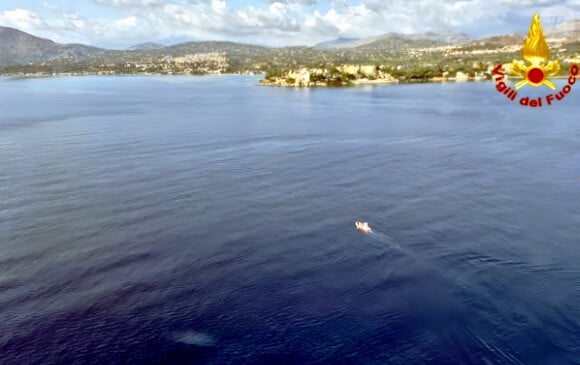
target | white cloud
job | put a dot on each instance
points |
(219, 7)
(128, 22)
(75, 21)
(286, 21)
(129, 3)
(21, 18)
(50, 6)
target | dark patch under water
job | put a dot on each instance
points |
(211, 221)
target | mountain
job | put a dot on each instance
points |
(21, 49)
(396, 40)
(17, 47)
(569, 31)
(420, 40)
(448, 38)
(339, 42)
(148, 46)
(215, 46)
(239, 54)
(497, 42)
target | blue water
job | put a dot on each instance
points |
(207, 220)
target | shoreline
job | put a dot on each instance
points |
(265, 82)
(365, 82)
(39, 75)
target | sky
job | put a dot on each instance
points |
(122, 23)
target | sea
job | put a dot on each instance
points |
(209, 220)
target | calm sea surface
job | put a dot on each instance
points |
(206, 220)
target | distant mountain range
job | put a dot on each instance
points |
(148, 46)
(399, 40)
(20, 48)
(340, 42)
(568, 31)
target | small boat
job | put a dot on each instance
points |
(363, 227)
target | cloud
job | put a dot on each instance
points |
(21, 18)
(128, 22)
(533, 3)
(129, 3)
(288, 22)
(70, 27)
(299, 2)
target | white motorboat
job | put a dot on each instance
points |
(363, 227)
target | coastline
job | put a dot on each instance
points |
(266, 82)
(367, 82)
(42, 75)
(261, 82)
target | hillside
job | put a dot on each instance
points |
(148, 46)
(569, 31)
(340, 42)
(18, 48)
(403, 55)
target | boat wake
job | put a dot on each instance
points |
(194, 338)
(385, 240)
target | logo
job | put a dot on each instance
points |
(536, 69)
